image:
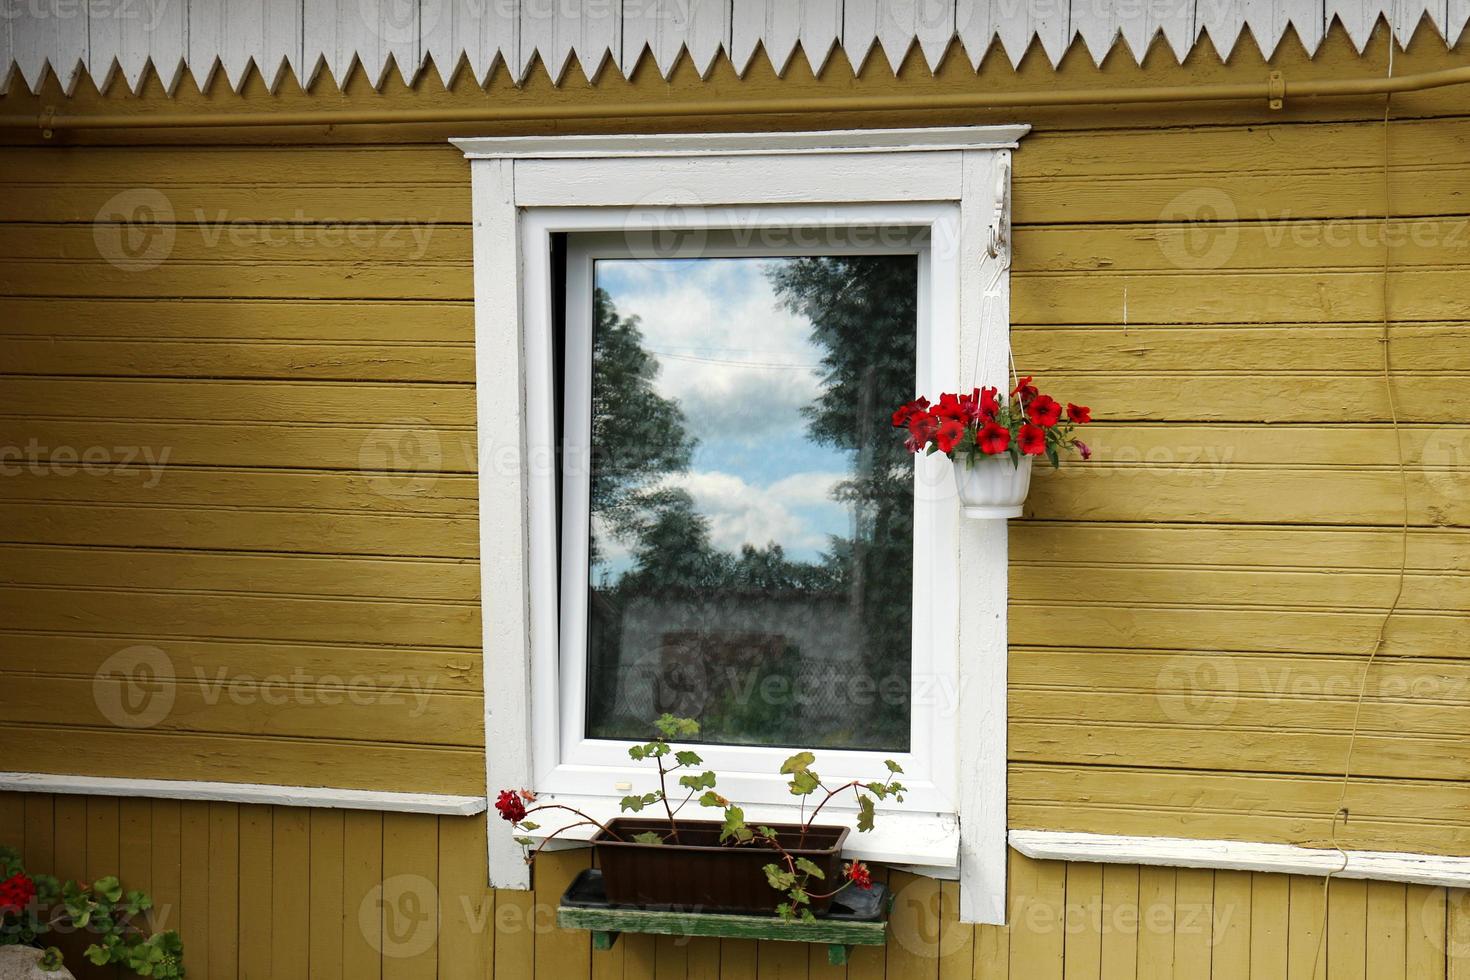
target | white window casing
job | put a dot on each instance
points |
(954, 182)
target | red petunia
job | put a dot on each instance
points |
(1083, 449)
(994, 439)
(950, 406)
(950, 431)
(989, 402)
(1080, 414)
(16, 892)
(858, 873)
(1045, 411)
(1033, 439)
(923, 426)
(905, 412)
(1025, 389)
(510, 806)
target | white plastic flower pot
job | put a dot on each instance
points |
(992, 486)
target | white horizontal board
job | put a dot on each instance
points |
(179, 789)
(1420, 869)
(854, 178)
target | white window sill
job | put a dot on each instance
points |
(930, 840)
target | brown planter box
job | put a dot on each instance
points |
(698, 874)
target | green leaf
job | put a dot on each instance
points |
(634, 803)
(892, 766)
(530, 825)
(779, 877)
(687, 758)
(50, 960)
(712, 798)
(648, 837)
(109, 888)
(804, 783)
(97, 955)
(704, 780)
(866, 814)
(799, 762)
(805, 865)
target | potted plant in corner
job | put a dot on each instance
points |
(992, 440)
(664, 861)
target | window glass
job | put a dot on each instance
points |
(751, 553)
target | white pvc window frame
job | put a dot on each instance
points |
(955, 180)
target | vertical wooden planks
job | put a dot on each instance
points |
(1157, 890)
(255, 918)
(1270, 912)
(165, 856)
(561, 952)
(1082, 952)
(291, 890)
(640, 958)
(1426, 919)
(135, 845)
(410, 896)
(1457, 934)
(71, 838)
(362, 879)
(515, 939)
(1193, 921)
(1387, 931)
(102, 836)
(956, 938)
(913, 930)
(226, 858)
(1119, 947)
(466, 904)
(1039, 897)
(12, 820)
(1305, 960)
(738, 960)
(703, 959)
(39, 852)
(1231, 922)
(1347, 925)
(201, 861)
(326, 874)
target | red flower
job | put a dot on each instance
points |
(951, 407)
(1025, 389)
(1083, 448)
(16, 892)
(994, 439)
(1044, 411)
(950, 431)
(1080, 414)
(1033, 440)
(905, 412)
(989, 402)
(510, 806)
(858, 874)
(923, 426)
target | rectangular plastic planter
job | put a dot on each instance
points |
(698, 874)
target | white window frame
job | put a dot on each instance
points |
(955, 181)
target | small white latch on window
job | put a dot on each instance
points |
(623, 787)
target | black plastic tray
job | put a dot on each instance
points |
(852, 904)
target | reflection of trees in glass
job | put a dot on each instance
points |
(863, 315)
(864, 311)
(638, 436)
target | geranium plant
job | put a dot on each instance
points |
(986, 423)
(797, 880)
(33, 906)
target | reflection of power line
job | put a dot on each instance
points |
(732, 362)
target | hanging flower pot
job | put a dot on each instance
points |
(992, 486)
(992, 440)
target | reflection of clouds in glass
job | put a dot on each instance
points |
(797, 512)
(737, 361)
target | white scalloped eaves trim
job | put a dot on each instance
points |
(307, 796)
(1016, 26)
(1234, 855)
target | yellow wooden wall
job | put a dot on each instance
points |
(1190, 611)
(282, 893)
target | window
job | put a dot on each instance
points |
(691, 499)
